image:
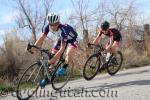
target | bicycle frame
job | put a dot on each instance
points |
(99, 51)
(42, 62)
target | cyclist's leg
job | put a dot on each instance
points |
(70, 51)
(54, 50)
(107, 53)
(68, 57)
(115, 47)
(106, 45)
(113, 50)
(56, 47)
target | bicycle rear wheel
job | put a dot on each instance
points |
(114, 64)
(58, 81)
(29, 81)
(91, 67)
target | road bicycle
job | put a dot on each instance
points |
(33, 76)
(97, 62)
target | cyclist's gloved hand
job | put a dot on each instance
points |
(32, 50)
(89, 45)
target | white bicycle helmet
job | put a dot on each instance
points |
(53, 18)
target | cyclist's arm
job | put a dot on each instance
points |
(40, 40)
(97, 39)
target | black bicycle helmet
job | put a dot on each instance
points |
(105, 25)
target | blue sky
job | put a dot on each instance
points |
(61, 6)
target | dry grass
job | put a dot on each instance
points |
(134, 58)
(13, 57)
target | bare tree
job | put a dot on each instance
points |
(80, 8)
(146, 38)
(79, 14)
(119, 14)
(33, 15)
(83, 15)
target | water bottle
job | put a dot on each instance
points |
(103, 57)
(107, 56)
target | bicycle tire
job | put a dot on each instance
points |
(58, 82)
(110, 72)
(86, 66)
(18, 91)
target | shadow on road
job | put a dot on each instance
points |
(123, 74)
(133, 73)
(122, 84)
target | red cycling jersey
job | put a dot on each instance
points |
(112, 32)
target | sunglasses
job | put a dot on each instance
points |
(55, 24)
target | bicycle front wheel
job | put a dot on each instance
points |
(29, 81)
(59, 81)
(91, 67)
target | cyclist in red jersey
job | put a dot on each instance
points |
(114, 37)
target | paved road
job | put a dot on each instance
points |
(133, 84)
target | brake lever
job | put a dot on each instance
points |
(90, 45)
(28, 48)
